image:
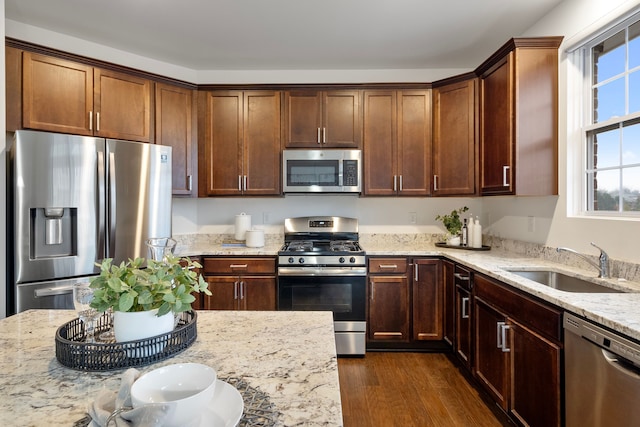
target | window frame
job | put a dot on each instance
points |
(580, 121)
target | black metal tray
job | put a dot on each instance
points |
(467, 248)
(72, 350)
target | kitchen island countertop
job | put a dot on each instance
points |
(290, 356)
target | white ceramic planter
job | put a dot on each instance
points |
(132, 326)
(454, 241)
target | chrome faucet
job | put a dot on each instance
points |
(603, 268)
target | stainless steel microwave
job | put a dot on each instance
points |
(322, 171)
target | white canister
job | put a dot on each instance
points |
(255, 238)
(243, 223)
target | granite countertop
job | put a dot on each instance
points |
(616, 310)
(290, 356)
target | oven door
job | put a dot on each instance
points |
(345, 296)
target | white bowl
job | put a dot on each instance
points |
(190, 386)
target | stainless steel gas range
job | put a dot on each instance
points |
(322, 267)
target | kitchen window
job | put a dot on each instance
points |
(609, 128)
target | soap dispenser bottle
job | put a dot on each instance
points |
(477, 234)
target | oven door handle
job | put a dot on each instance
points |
(322, 271)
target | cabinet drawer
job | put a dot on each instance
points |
(387, 265)
(462, 277)
(224, 265)
(538, 316)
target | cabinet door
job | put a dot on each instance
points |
(491, 362)
(389, 308)
(258, 293)
(224, 293)
(414, 143)
(380, 149)
(122, 106)
(341, 119)
(57, 95)
(463, 326)
(449, 301)
(303, 119)
(223, 143)
(261, 151)
(497, 128)
(454, 139)
(536, 376)
(174, 127)
(427, 301)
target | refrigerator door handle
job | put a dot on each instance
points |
(112, 205)
(100, 250)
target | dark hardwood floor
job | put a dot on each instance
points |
(408, 389)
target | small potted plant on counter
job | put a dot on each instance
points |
(453, 224)
(146, 298)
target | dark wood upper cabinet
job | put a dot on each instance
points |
(122, 105)
(69, 97)
(322, 119)
(454, 145)
(57, 95)
(241, 154)
(175, 126)
(519, 118)
(397, 142)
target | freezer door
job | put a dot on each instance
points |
(55, 215)
(138, 197)
(57, 294)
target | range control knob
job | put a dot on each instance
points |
(352, 260)
(291, 260)
(301, 260)
(341, 260)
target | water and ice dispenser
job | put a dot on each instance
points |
(53, 232)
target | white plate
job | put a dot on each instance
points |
(226, 408)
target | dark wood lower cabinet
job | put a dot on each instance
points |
(389, 308)
(241, 293)
(536, 397)
(246, 283)
(491, 360)
(517, 355)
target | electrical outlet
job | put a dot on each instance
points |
(413, 218)
(531, 224)
(265, 217)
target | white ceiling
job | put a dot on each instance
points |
(292, 34)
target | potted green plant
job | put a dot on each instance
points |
(453, 224)
(156, 291)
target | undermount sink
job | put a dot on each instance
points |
(563, 282)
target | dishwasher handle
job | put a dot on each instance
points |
(626, 368)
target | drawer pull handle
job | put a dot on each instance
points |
(461, 277)
(388, 266)
(465, 303)
(238, 266)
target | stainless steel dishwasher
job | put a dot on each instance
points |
(602, 376)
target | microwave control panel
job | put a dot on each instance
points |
(350, 173)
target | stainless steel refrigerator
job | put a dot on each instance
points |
(74, 201)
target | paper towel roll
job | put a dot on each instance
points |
(243, 223)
